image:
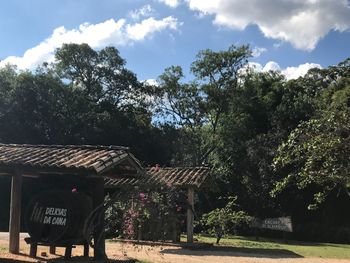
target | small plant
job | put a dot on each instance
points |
(222, 221)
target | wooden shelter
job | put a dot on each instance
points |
(89, 163)
(189, 178)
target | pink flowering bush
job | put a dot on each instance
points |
(149, 215)
(129, 217)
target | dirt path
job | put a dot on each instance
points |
(164, 254)
(180, 255)
(4, 236)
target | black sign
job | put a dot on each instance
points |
(49, 215)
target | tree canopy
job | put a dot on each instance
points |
(270, 140)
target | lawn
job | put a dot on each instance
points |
(3, 249)
(304, 249)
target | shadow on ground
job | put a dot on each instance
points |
(235, 251)
(82, 259)
(6, 260)
(62, 260)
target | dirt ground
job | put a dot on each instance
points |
(157, 254)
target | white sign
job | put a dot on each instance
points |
(279, 223)
(49, 215)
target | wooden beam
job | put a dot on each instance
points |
(97, 184)
(15, 213)
(190, 214)
(29, 169)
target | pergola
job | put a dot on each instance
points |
(189, 178)
(90, 163)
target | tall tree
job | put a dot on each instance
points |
(317, 151)
(33, 107)
(197, 107)
(101, 75)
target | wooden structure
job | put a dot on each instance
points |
(189, 178)
(88, 163)
(68, 245)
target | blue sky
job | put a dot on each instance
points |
(287, 35)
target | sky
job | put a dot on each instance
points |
(291, 36)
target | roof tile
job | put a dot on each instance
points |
(170, 176)
(95, 159)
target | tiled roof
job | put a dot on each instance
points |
(170, 176)
(65, 158)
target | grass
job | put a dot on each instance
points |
(320, 250)
(3, 249)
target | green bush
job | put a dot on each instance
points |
(226, 220)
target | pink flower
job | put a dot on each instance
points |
(178, 208)
(157, 167)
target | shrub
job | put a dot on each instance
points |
(226, 220)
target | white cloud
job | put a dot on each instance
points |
(171, 3)
(271, 65)
(257, 51)
(289, 72)
(152, 82)
(149, 26)
(301, 70)
(145, 11)
(253, 66)
(110, 32)
(301, 22)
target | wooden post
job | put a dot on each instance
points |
(86, 249)
(190, 214)
(33, 250)
(68, 252)
(97, 184)
(52, 250)
(174, 232)
(285, 238)
(15, 213)
(256, 233)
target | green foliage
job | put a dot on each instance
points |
(113, 217)
(196, 108)
(317, 151)
(249, 135)
(261, 133)
(149, 214)
(101, 75)
(223, 221)
(86, 97)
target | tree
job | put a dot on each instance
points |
(86, 97)
(222, 221)
(197, 107)
(182, 106)
(317, 151)
(101, 75)
(33, 108)
(218, 73)
(248, 138)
